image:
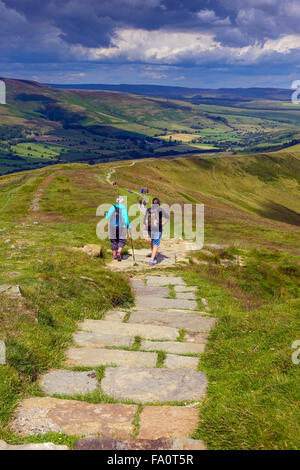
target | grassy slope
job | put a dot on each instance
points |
(252, 382)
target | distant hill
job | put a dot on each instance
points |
(42, 125)
(176, 92)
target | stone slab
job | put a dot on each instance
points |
(68, 382)
(30, 446)
(195, 337)
(98, 340)
(151, 290)
(40, 415)
(154, 385)
(177, 443)
(179, 362)
(147, 301)
(93, 357)
(115, 315)
(185, 288)
(164, 280)
(130, 329)
(167, 421)
(175, 347)
(186, 295)
(187, 321)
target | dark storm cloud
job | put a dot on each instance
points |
(149, 32)
(92, 23)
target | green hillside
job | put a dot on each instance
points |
(41, 125)
(251, 208)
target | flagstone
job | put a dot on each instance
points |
(167, 421)
(84, 338)
(185, 288)
(154, 385)
(147, 301)
(93, 357)
(130, 329)
(40, 415)
(115, 315)
(195, 337)
(164, 280)
(186, 295)
(152, 290)
(173, 361)
(187, 321)
(67, 382)
(31, 446)
(163, 443)
(175, 347)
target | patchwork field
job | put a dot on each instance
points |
(102, 126)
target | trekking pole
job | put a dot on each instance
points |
(132, 245)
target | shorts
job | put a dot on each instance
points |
(117, 243)
(155, 237)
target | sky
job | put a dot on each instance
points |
(194, 43)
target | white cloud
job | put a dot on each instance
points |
(209, 16)
(173, 48)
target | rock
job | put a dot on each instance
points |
(175, 347)
(215, 246)
(164, 281)
(154, 385)
(160, 302)
(94, 251)
(14, 291)
(14, 273)
(40, 415)
(98, 340)
(96, 443)
(205, 303)
(130, 329)
(67, 382)
(4, 288)
(173, 361)
(167, 421)
(30, 446)
(115, 315)
(181, 320)
(94, 357)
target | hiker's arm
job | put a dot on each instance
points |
(165, 216)
(108, 215)
(127, 221)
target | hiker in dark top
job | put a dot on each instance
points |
(153, 224)
(119, 223)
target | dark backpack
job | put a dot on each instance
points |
(154, 219)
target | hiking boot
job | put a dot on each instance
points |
(115, 257)
(153, 261)
(119, 257)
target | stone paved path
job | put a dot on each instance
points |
(151, 385)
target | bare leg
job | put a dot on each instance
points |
(154, 251)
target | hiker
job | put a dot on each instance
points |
(119, 223)
(140, 202)
(144, 202)
(153, 224)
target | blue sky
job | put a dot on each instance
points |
(208, 44)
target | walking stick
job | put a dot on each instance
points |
(132, 245)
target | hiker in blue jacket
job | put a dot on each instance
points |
(119, 223)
